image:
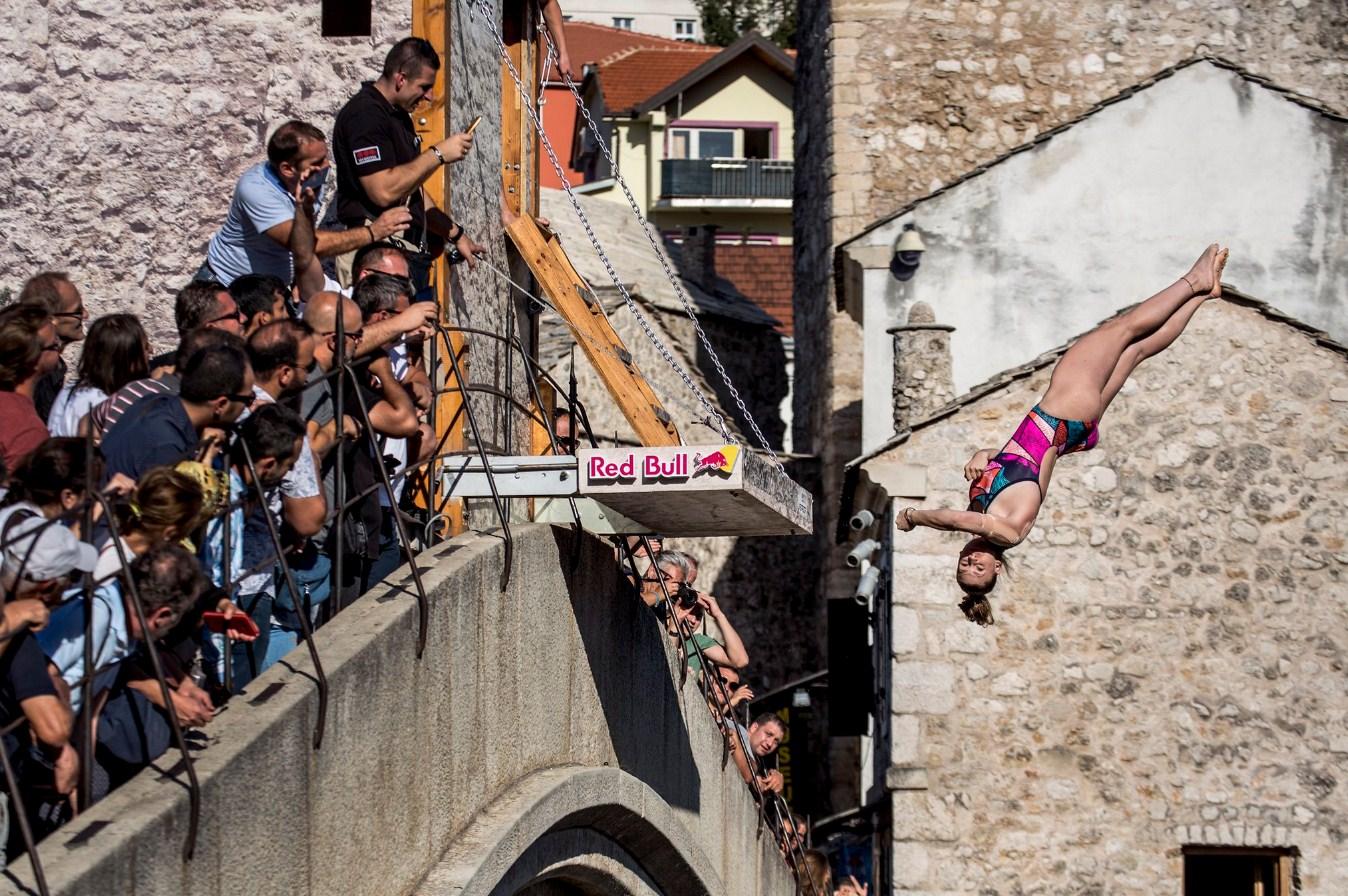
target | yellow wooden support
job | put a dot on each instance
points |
(430, 20)
(577, 303)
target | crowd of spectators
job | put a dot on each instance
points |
(714, 652)
(188, 501)
(153, 499)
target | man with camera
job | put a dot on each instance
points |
(690, 607)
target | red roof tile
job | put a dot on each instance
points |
(589, 43)
(640, 73)
(764, 274)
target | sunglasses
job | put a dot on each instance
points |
(245, 400)
(52, 347)
(79, 313)
(236, 315)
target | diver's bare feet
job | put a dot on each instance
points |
(1205, 277)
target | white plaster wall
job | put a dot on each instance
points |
(1053, 240)
(648, 17)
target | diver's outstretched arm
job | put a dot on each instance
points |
(994, 529)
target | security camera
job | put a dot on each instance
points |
(862, 520)
(866, 585)
(862, 551)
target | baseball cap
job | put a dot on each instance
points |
(40, 549)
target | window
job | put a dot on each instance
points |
(1236, 871)
(685, 29)
(625, 23)
(758, 143)
(346, 18)
(701, 143)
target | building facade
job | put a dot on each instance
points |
(1161, 702)
(701, 135)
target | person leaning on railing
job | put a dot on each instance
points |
(763, 736)
(216, 387)
(381, 297)
(273, 437)
(39, 558)
(391, 413)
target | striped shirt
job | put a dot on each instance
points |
(106, 413)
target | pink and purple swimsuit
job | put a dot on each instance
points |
(1009, 467)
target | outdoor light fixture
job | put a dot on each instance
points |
(862, 552)
(862, 519)
(907, 253)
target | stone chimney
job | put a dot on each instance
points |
(699, 255)
(923, 381)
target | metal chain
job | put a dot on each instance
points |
(589, 230)
(673, 278)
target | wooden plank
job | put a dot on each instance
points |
(514, 27)
(430, 20)
(544, 255)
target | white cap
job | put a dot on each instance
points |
(57, 551)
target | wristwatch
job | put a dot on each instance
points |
(438, 154)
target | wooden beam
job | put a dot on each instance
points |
(430, 20)
(577, 303)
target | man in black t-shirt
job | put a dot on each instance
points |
(380, 163)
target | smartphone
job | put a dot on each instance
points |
(473, 125)
(240, 623)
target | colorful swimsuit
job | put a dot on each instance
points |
(1008, 467)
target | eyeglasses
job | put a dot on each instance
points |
(245, 400)
(236, 314)
(354, 335)
(77, 313)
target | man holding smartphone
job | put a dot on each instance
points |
(381, 164)
(256, 235)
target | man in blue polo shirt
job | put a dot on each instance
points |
(217, 385)
(255, 238)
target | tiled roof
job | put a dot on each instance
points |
(634, 75)
(589, 43)
(764, 275)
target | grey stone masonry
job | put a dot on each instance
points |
(923, 380)
(1168, 665)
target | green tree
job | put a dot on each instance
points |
(726, 21)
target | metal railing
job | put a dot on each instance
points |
(726, 178)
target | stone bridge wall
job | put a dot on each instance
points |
(542, 735)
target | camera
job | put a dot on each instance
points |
(685, 596)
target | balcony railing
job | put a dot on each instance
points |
(726, 178)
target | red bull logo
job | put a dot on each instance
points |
(721, 461)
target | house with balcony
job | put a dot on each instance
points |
(702, 135)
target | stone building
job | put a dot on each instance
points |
(896, 98)
(1164, 685)
(1045, 241)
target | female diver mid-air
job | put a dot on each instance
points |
(1002, 507)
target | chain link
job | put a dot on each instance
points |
(669, 273)
(589, 230)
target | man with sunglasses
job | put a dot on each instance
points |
(206, 303)
(53, 292)
(216, 388)
(29, 349)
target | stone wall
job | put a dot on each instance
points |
(925, 90)
(1167, 666)
(127, 123)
